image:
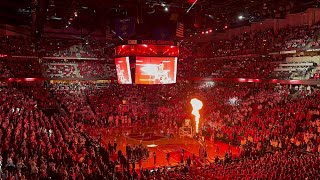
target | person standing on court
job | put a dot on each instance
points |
(154, 158)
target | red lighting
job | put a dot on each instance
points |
(202, 32)
(210, 31)
(146, 50)
(225, 27)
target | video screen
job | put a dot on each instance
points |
(123, 70)
(156, 70)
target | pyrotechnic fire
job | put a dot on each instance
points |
(196, 106)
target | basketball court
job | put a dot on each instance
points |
(161, 145)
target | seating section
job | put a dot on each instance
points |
(271, 125)
(61, 70)
(88, 69)
(82, 69)
(237, 52)
(22, 68)
(31, 68)
(316, 73)
(270, 166)
(247, 67)
(294, 70)
(262, 42)
(47, 147)
(57, 128)
(17, 45)
(231, 57)
(72, 99)
(5, 71)
(73, 48)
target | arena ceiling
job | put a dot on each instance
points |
(98, 14)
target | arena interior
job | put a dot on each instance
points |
(159, 89)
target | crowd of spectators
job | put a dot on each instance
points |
(260, 42)
(75, 104)
(61, 70)
(25, 68)
(273, 166)
(37, 146)
(27, 46)
(274, 124)
(291, 38)
(243, 56)
(92, 69)
(241, 67)
(74, 48)
(295, 70)
(260, 120)
(79, 69)
(276, 128)
(5, 72)
(17, 45)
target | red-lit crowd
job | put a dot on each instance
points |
(276, 128)
(260, 42)
(37, 146)
(234, 57)
(234, 67)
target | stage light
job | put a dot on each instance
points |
(191, 6)
(75, 14)
(152, 145)
(202, 32)
(166, 9)
(210, 31)
(240, 17)
(207, 32)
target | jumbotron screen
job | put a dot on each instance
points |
(123, 70)
(156, 70)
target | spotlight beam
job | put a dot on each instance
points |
(191, 6)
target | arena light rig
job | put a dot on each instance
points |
(196, 106)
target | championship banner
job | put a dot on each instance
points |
(108, 33)
(180, 30)
(125, 27)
